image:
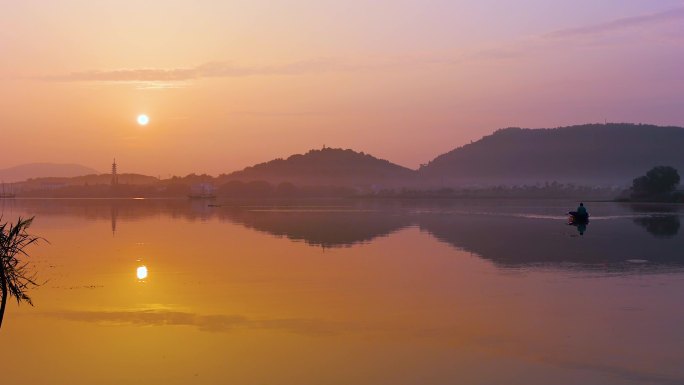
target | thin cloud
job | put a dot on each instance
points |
(590, 35)
(164, 78)
(207, 70)
(157, 76)
(653, 19)
(160, 85)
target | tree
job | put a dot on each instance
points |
(658, 181)
(286, 189)
(15, 276)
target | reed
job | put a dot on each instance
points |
(16, 277)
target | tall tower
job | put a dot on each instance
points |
(115, 177)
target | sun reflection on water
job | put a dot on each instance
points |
(141, 272)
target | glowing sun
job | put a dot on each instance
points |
(143, 119)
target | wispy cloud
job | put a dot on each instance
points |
(161, 78)
(209, 70)
(617, 25)
(164, 78)
(208, 323)
(584, 36)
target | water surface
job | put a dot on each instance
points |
(348, 292)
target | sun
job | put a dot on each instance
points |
(143, 119)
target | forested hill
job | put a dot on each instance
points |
(328, 166)
(587, 154)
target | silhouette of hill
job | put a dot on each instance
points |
(328, 166)
(587, 155)
(38, 170)
(598, 154)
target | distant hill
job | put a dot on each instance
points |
(328, 166)
(599, 154)
(40, 170)
(588, 155)
(86, 180)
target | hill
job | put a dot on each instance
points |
(597, 154)
(328, 166)
(93, 186)
(39, 170)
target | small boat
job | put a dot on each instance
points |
(576, 217)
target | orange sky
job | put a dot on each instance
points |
(228, 84)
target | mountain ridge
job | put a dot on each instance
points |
(44, 169)
(589, 153)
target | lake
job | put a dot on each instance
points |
(348, 292)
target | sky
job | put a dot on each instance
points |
(227, 84)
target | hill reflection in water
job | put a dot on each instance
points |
(508, 233)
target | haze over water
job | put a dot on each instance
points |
(342, 292)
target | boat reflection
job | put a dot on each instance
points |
(580, 226)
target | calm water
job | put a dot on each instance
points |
(467, 292)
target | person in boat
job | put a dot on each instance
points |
(581, 214)
(582, 211)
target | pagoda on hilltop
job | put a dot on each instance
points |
(115, 177)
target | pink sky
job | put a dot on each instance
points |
(229, 84)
